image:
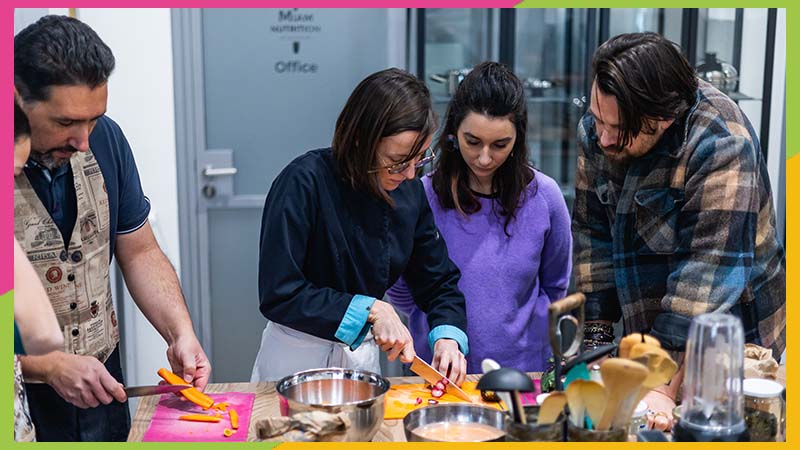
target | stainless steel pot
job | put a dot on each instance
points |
(358, 393)
(452, 413)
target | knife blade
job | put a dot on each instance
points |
(432, 376)
(140, 391)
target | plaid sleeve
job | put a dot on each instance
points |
(593, 262)
(716, 231)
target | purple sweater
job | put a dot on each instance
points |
(508, 282)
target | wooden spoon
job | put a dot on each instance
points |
(551, 407)
(595, 397)
(622, 379)
(661, 368)
(576, 402)
(626, 343)
(640, 348)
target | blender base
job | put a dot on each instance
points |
(682, 433)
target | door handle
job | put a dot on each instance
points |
(210, 171)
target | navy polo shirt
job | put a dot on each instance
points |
(127, 204)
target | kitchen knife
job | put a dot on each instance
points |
(432, 376)
(140, 391)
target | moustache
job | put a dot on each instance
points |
(66, 149)
(614, 149)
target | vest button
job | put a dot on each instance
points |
(63, 255)
(71, 277)
(75, 332)
(77, 256)
(73, 305)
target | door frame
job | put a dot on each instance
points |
(190, 136)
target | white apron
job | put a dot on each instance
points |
(285, 351)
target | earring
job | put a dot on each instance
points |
(452, 142)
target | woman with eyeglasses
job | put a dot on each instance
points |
(506, 224)
(340, 226)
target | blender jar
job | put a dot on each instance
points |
(713, 407)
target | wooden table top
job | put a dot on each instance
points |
(266, 405)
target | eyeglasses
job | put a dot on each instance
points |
(394, 169)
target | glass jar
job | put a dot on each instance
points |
(764, 410)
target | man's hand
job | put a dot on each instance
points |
(659, 414)
(82, 380)
(189, 361)
(448, 360)
(390, 334)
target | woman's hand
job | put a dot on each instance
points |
(390, 334)
(448, 360)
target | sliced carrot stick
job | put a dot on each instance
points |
(234, 416)
(228, 432)
(191, 394)
(221, 406)
(199, 418)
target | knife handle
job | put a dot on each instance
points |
(566, 304)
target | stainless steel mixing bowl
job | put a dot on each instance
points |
(358, 393)
(451, 412)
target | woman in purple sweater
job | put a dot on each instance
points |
(505, 224)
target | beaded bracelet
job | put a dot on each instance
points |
(598, 328)
(599, 336)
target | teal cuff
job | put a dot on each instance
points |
(449, 332)
(354, 327)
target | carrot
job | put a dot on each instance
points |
(234, 416)
(199, 418)
(191, 394)
(228, 432)
(221, 406)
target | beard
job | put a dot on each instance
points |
(616, 154)
(48, 159)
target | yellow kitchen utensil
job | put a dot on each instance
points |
(576, 402)
(594, 398)
(622, 379)
(551, 407)
(626, 343)
(661, 368)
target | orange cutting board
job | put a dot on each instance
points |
(401, 399)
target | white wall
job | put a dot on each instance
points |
(141, 100)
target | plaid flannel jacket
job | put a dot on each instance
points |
(688, 228)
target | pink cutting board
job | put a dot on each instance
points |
(529, 398)
(165, 426)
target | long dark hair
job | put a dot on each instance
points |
(383, 104)
(648, 76)
(57, 51)
(493, 90)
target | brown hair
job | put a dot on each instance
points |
(383, 104)
(648, 76)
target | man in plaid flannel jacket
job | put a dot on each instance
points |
(673, 214)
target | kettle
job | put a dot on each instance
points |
(720, 74)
